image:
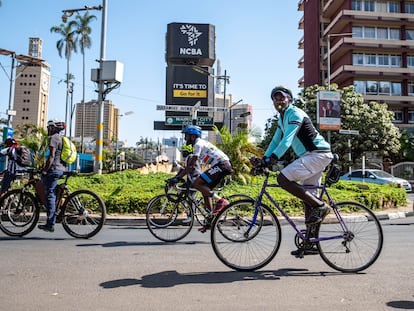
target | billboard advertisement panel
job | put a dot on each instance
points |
(328, 110)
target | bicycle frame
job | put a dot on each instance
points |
(322, 190)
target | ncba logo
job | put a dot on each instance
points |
(192, 33)
(189, 51)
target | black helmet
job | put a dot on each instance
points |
(57, 124)
(282, 90)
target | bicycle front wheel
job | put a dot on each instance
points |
(245, 238)
(84, 214)
(19, 212)
(351, 241)
(169, 221)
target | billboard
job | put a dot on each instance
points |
(328, 110)
(189, 43)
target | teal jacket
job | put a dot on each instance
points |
(295, 129)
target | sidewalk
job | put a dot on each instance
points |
(139, 220)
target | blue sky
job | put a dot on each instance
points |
(256, 42)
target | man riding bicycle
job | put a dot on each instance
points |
(295, 129)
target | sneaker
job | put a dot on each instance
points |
(300, 252)
(222, 203)
(46, 228)
(317, 214)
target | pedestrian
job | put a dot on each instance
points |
(219, 167)
(295, 130)
(52, 171)
(12, 167)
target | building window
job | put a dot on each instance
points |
(382, 33)
(410, 116)
(369, 32)
(370, 60)
(394, 7)
(410, 87)
(369, 5)
(409, 7)
(396, 89)
(359, 86)
(410, 61)
(357, 59)
(357, 32)
(394, 34)
(384, 88)
(395, 60)
(409, 34)
(372, 87)
(383, 60)
(357, 5)
(398, 116)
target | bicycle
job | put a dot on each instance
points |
(82, 212)
(170, 216)
(349, 239)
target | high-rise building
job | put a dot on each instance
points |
(110, 120)
(365, 43)
(31, 89)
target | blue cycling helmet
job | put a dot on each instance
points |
(282, 90)
(192, 130)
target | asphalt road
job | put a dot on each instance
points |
(125, 268)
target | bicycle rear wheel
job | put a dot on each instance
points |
(19, 212)
(84, 214)
(169, 221)
(242, 240)
(360, 238)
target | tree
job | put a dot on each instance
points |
(239, 150)
(372, 120)
(68, 44)
(83, 30)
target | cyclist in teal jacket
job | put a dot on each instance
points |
(295, 129)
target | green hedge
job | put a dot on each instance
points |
(129, 191)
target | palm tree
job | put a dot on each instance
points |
(84, 30)
(239, 149)
(68, 44)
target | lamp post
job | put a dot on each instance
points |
(101, 85)
(116, 141)
(224, 77)
(230, 112)
(329, 52)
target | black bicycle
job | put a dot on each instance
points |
(82, 212)
(170, 216)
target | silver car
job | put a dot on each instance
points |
(376, 177)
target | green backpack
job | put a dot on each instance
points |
(69, 153)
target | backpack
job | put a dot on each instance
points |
(69, 153)
(23, 156)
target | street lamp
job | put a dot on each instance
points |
(116, 142)
(101, 85)
(224, 77)
(230, 112)
(329, 52)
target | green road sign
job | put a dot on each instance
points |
(184, 120)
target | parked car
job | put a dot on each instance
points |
(376, 177)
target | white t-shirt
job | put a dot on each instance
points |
(207, 153)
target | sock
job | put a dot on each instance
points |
(214, 196)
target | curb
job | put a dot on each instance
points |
(139, 221)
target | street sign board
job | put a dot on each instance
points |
(190, 108)
(349, 132)
(185, 120)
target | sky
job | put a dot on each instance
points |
(256, 43)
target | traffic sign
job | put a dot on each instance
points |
(185, 120)
(190, 108)
(349, 132)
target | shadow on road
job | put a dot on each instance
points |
(124, 243)
(401, 304)
(173, 278)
